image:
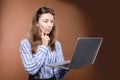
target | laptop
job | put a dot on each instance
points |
(85, 53)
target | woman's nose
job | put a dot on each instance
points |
(50, 24)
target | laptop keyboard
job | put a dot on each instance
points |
(65, 65)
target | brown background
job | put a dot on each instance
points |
(74, 18)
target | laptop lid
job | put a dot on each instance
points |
(85, 51)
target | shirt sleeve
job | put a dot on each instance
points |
(32, 63)
(60, 58)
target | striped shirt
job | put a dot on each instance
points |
(36, 64)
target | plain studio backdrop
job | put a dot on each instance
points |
(73, 18)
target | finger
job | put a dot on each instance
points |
(48, 38)
(43, 34)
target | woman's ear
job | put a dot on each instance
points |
(37, 25)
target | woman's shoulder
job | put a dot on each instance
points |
(24, 41)
(57, 43)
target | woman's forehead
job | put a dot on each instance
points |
(47, 16)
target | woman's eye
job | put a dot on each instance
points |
(52, 21)
(45, 21)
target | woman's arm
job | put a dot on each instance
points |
(32, 63)
(59, 73)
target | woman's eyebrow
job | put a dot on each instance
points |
(49, 19)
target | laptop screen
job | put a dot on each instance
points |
(85, 52)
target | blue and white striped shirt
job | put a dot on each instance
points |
(36, 64)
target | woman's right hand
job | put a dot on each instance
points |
(45, 39)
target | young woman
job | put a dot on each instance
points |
(40, 47)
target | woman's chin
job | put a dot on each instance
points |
(47, 33)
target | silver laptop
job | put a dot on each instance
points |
(85, 52)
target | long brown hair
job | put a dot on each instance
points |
(34, 36)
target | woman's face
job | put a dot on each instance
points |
(46, 22)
